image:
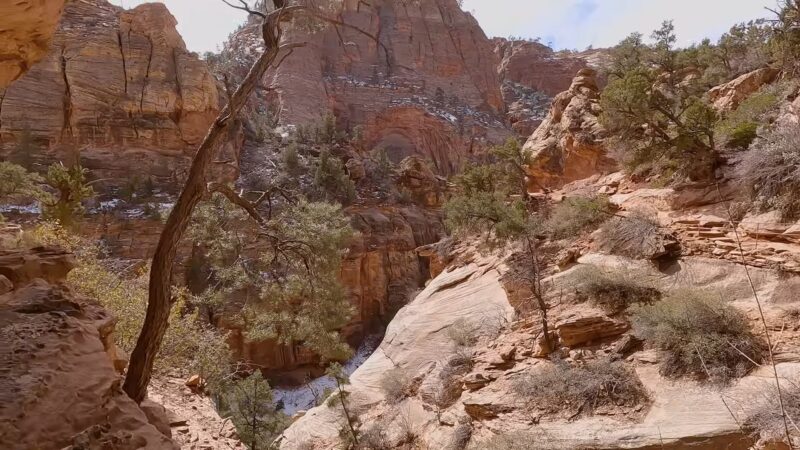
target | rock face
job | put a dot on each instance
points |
(568, 145)
(427, 86)
(116, 88)
(25, 32)
(59, 388)
(531, 75)
(726, 97)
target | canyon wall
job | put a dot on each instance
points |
(116, 88)
(421, 79)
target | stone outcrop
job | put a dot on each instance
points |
(116, 88)
(531, 75)
(25, 32)
(568, 145)
(59, 387)
(728, 96)
(427, 85)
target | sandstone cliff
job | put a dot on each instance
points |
(426, 85)
(531, 75)
(116, 88)
(25, 32)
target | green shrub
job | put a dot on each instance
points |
(615, 291)
(740, 127)
(72, 189)
(561, 387)
(331, 179)
(291, 160)
(189, 347)
(701, 335)
(577, 215)
(743, 135)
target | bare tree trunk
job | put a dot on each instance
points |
(536, 290)
(159, 301)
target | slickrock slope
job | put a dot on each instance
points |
(117, 88)
(25, 32)
(531, 75)
(428, 86)
(58, 385)
(568, 145)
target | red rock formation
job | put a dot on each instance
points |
(568, 145)
(25, 32)
(536, 66)
(118, 87)
(59, 385)
(531, 75)
(427, 87)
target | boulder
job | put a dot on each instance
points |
(728, 96)
(5, 285)
(581, 330)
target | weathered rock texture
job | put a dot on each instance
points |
(428, 86)
(58, 387)
(531, 75)
(25, 32)
(726, 97)
(568, 145)
(117, 88)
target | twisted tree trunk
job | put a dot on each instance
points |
(159, 300)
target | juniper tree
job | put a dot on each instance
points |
(71, 190)
(285, 267)
(660, 121)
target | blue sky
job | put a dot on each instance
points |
(579, 23)
(205, 24)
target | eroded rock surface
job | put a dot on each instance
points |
(25, 32)
(568, 145)
(58, 384)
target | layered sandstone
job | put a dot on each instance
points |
(117, 89)
(568, 145)
(421, 79)
(25, 32)
(59, 385)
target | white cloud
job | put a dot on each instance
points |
(205, 24)
(603, 23)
